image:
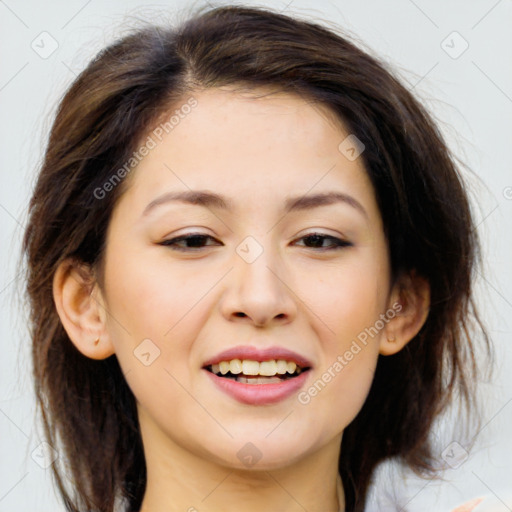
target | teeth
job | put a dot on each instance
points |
(281, 367)
(266, 380)
(235, 366)
(291, 367)
(268, 368)
(249, 367)
(224, 367)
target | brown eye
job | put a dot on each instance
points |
(316, 241)
(192, 241)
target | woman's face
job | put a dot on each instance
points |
(276, 270)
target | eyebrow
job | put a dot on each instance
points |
(213, 200)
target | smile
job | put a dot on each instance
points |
(248, 371)
(258, 376)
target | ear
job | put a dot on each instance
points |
(80, 307)
(410, 302)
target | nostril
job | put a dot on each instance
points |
(240, 314)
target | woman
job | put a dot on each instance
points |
(249, 266)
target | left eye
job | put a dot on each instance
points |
(317, 240)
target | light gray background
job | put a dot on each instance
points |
(469, 94)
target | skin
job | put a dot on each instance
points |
(256, 152)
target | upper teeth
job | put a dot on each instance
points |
(249, 367)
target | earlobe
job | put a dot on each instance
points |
(412, 293)
(79, 305)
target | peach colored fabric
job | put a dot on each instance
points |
(469, 506)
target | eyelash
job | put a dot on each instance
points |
(172, 243)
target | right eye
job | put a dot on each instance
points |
(194, 240)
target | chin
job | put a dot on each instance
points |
(258, 453)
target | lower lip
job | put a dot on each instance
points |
(259, 394)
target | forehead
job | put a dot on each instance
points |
(260, 113)
(254, 145)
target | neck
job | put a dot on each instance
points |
(180, 481)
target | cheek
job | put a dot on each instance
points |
(158, 300)
(149, 308)
(349, 298)
(341, 386)
(349, 302)
(148, 296)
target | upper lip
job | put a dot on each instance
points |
(259, 354)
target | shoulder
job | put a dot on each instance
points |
(469, 506)
(482, 504)
(394, 489)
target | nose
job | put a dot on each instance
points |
(258, 292)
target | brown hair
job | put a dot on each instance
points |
(86, 404)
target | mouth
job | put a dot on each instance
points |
(248, 371)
